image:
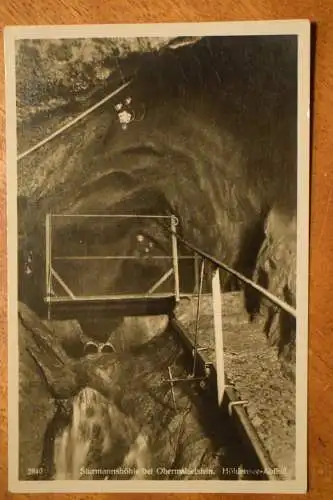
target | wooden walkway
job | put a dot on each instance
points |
(252, 367)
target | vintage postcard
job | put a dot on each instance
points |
(158, 212)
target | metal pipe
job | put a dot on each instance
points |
(197, 317)
(48, 260)
(174, 222)
(115, 216)
(90, 348)
(107, 347)
(73, 122)
(240, 416)
(196, 273)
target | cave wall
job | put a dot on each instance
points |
(213, 141)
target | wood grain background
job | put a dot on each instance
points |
(25, 12)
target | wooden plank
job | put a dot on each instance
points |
(114, 216)
(218, 332)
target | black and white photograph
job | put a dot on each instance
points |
(158, 212)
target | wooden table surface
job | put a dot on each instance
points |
(25, 12)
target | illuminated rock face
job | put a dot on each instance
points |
(213, 140)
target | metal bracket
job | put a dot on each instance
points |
(208, 368)
(200, 349)
(182, 379)
(236, 403)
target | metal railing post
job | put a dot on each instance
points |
(174, 222)
(196, 273)
(48, 260)
(218, 331)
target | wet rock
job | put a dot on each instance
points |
(276, 271)
(70, 336)
(36, 408)
(110, 410)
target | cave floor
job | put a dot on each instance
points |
(252, 366)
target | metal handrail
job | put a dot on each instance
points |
(213, 260)
(73, 122)
(216, 262)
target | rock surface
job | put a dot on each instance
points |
(107, 411)
(253, 367)
(276, 270)
(213, 140)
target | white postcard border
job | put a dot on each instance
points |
(301, 28)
